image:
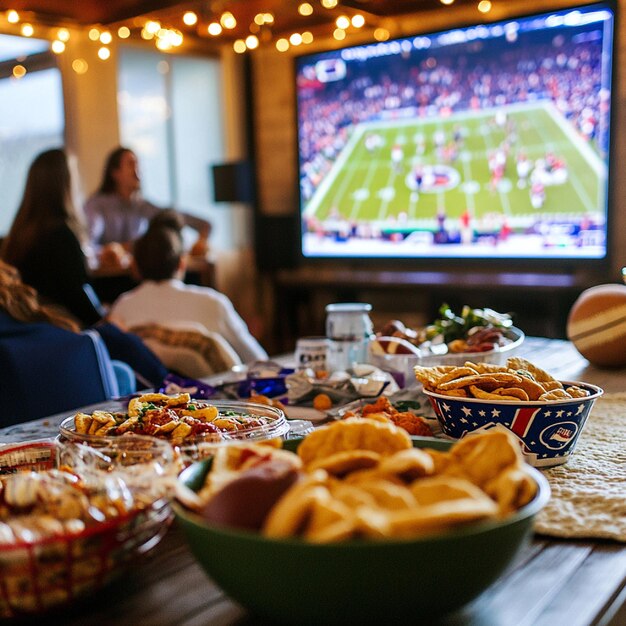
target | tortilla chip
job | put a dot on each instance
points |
(577, 392)
(489, 381)
(517, 363)
(457, 372)
(455, 393)
(555, 394)
(342, 463)
(515, 392)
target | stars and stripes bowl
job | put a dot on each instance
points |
(547, 430)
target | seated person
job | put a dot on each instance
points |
(47, 365)
(118, 214)
(45, 242)
(21, 308)
(163, 298)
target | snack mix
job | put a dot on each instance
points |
(517, 380)
(360, 478)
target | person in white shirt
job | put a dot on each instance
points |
(162, 297)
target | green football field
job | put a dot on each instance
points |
(364, 185)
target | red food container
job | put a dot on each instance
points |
(47, 572)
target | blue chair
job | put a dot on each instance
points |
(46, 370)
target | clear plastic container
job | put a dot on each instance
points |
(194, 448)
(349, 330)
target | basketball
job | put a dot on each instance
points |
(596, 325)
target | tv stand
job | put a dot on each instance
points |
(540, 301)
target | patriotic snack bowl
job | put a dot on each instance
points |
(547, 430)
(356, 582)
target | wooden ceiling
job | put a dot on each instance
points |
(286, 16)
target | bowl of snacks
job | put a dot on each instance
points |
(545, 415)
(193, 427)
(360, 524)
(72, 519)
(481, 335)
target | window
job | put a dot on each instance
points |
(170, 115)
(31, 115)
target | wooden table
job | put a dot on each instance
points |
(552, 583)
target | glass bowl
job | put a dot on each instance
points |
(198, 447)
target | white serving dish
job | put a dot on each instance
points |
(401, 365)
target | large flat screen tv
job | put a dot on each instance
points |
(487, 142)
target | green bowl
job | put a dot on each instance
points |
(291, 581)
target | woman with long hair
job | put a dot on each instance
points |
(117, 213)
(23, 316)
(21, 302)
(44, 242)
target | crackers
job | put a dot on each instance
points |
(406, 493)
(353, 434)
(519, 380)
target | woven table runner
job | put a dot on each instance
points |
(589, 491)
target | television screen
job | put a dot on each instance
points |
(490, 141)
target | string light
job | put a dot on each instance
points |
(190, 18)
(214, 29)
(252, 42)
(165, 37)
(484, 6)
(227, 20)
(19, 71)
(80, 66)
(381, 34)
(282, 45)
(152, 26)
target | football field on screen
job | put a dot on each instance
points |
(364, 185)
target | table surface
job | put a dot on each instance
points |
(552, 582)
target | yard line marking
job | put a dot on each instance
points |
(595, 162)
(469, 197)
(320, 192)
(356, 205)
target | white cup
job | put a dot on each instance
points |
(311, 353)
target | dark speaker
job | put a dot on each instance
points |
(233, 182)
(276, 241)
